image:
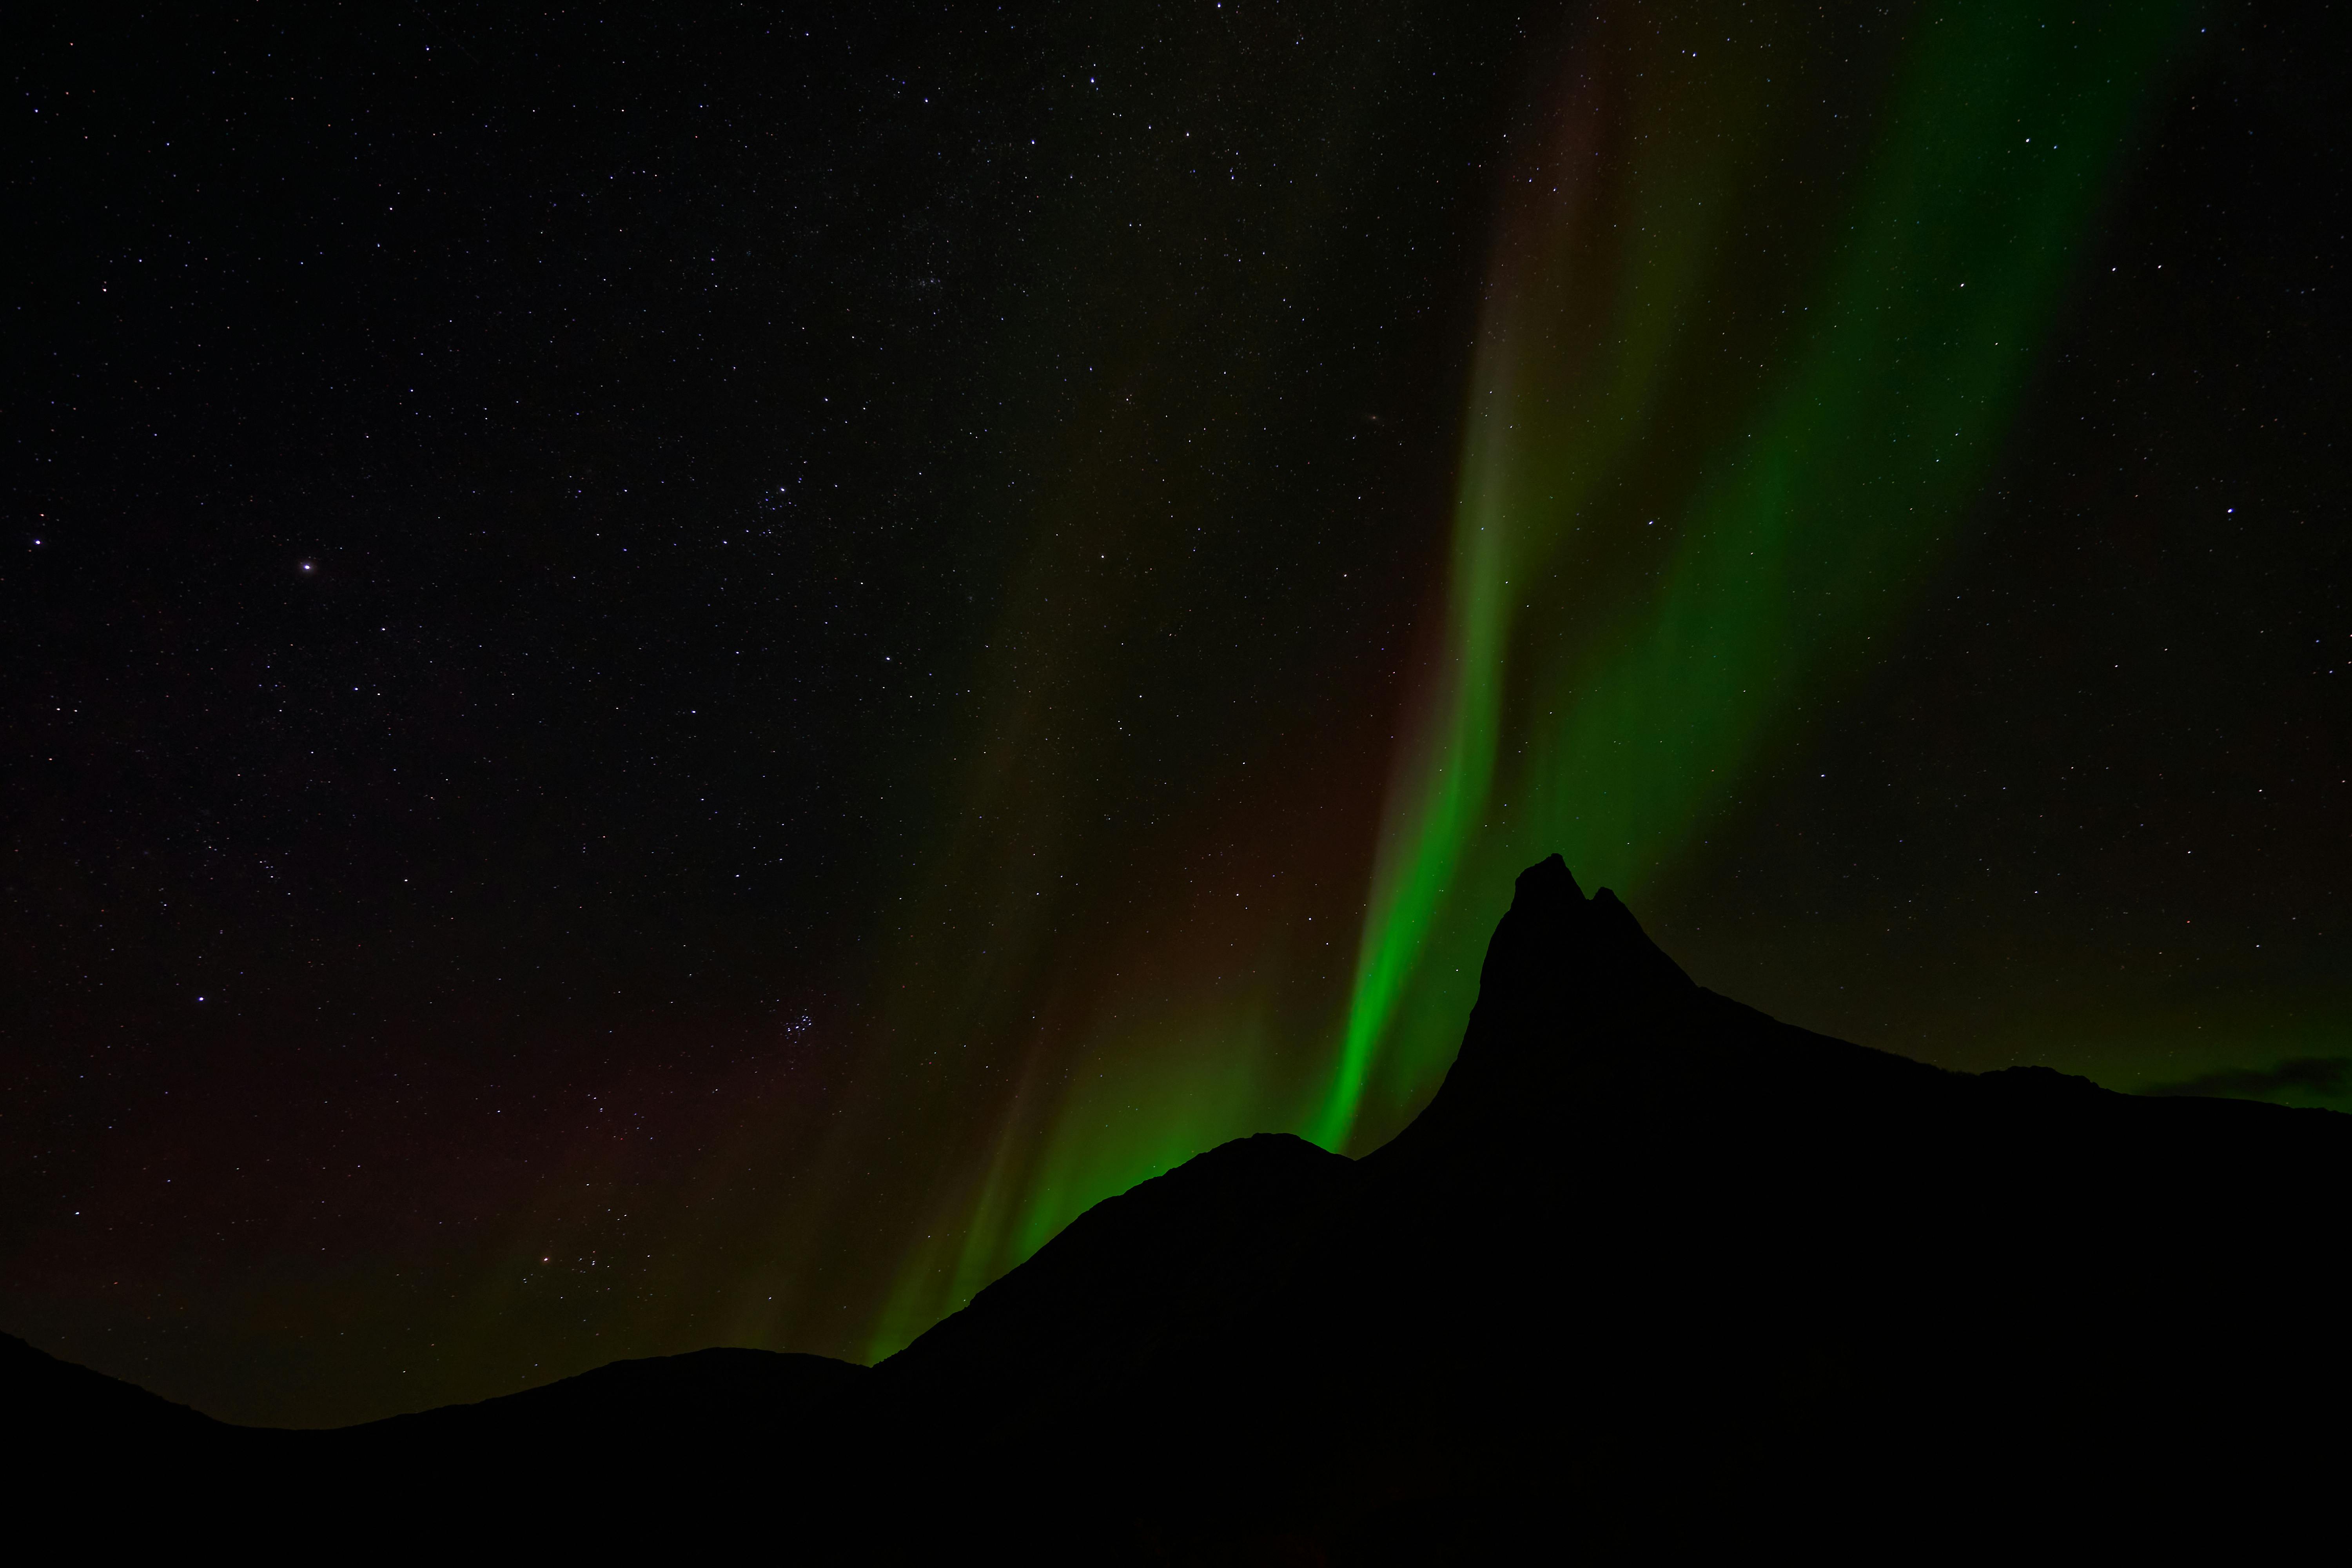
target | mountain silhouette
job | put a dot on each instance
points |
(1653, 1269)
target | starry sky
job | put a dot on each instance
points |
(680, 678)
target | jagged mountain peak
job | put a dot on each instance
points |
(1557, 945)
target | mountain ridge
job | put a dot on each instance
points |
(1651, 1265)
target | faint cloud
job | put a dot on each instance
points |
(2328, 1076)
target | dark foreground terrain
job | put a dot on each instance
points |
(1652, 1270)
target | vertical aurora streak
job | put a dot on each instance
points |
(1754, 321)
(1809, 523)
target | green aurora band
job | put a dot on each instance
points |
(1756, 324)
(1794, 537)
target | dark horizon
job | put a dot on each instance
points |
(681, 684)
(1651, 1270)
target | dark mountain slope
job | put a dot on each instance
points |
(74, 1407)
(1656, 1264)
(704, 1399)
(1652, 1270)
(1186, 1263)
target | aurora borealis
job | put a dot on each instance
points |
(1826, 477)
(907, 627)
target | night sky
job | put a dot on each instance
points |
(681, 677)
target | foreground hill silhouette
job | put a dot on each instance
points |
(1652, 1268)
